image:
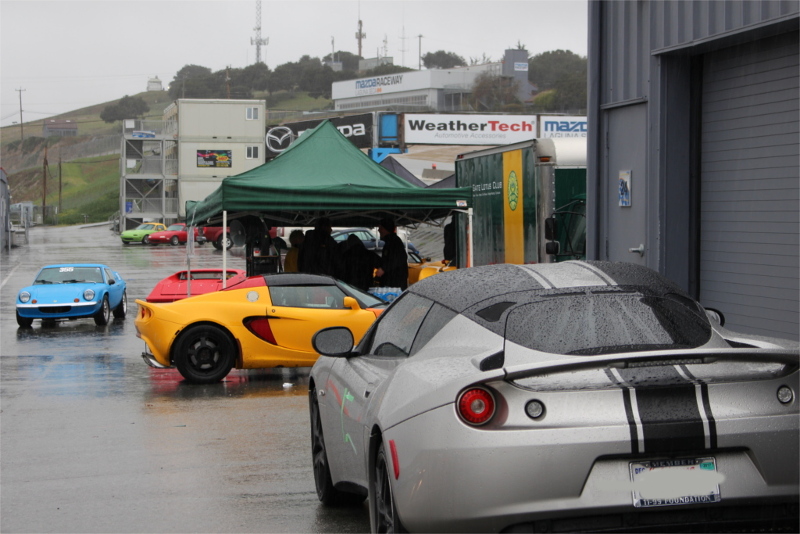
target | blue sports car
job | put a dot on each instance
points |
(70, 291)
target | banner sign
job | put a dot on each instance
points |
(213, 158)
(357, 128)
(431, 129)
(561, 126)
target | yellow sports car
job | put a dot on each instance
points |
(263, 321)
(420, 268)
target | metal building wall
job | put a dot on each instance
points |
(645, 78)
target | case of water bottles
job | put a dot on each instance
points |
(387, 294)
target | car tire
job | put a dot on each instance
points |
(122, 308)
(174, 241)
(217, 244)
(146, 240)
(224, 240)
(204, 354)
(327, 494)
(24, 322)
(383, 508)
(103, 315)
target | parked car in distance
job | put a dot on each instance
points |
(217, 236)
(367, 236)
(72, 291)
(179, 285)
(420, 268)
(263, 321)
(141, 234)
(175, 234)
(560, 397)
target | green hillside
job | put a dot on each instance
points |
(90, 186)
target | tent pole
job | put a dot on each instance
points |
(224, 248)
(469, 237)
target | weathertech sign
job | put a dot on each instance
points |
(428, 129)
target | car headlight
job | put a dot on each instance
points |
(88, 294)
(24, 296)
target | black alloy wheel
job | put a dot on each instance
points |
(103, 315)
(204, 354)
(386, 519)
(122, 308)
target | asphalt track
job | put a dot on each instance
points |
(93, 440)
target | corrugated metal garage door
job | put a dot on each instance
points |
(750, 196)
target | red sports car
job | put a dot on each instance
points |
(179, 286)
(175, 234)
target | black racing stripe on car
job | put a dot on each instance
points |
(626, 400)
(670, 419)
(712, 424)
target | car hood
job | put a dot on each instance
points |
(135, 233)
(60, 293)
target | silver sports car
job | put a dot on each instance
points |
(556, 398)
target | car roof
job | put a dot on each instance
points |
(463, 288)
(298, 279)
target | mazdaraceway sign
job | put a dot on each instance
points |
(428, 129)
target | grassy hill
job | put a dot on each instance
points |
(90, 186)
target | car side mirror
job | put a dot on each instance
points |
(111, 282)
(550, 229)
(552, 247)
(335, 341)
(351, 303)
(715, 316)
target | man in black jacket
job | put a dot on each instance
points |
(394, 259)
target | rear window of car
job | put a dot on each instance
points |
(605, 323)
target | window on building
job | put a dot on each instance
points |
(252, 114)
(252, 152)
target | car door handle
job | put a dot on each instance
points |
(639, 250)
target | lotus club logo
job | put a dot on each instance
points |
(279, 138)
(513, 190)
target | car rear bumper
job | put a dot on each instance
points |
(459, 478)
(150, 360)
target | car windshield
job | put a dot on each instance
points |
(69, 275)
(175, 227)
(145, 226)
(366, 299)
(596, 323)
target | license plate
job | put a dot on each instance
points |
(675, 482)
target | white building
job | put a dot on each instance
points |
(186, 156)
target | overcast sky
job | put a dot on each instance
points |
(69, 54)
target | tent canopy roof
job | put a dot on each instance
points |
(323, 175)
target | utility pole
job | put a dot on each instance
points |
(228, 81)
(21, 131)
(59, 181)
(420, 51)
(257, 40)
(44, 185)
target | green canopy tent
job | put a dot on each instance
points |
(323, 175)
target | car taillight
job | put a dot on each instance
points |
(476, 406)
(260, 327)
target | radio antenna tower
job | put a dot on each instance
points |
(257, 40)
(359, 34)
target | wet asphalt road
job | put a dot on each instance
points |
(94, 440)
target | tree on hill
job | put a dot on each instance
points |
(192, 81)
(128, 107)
(442, 60)
(547, 68)
(495, 93)
(349, 61)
